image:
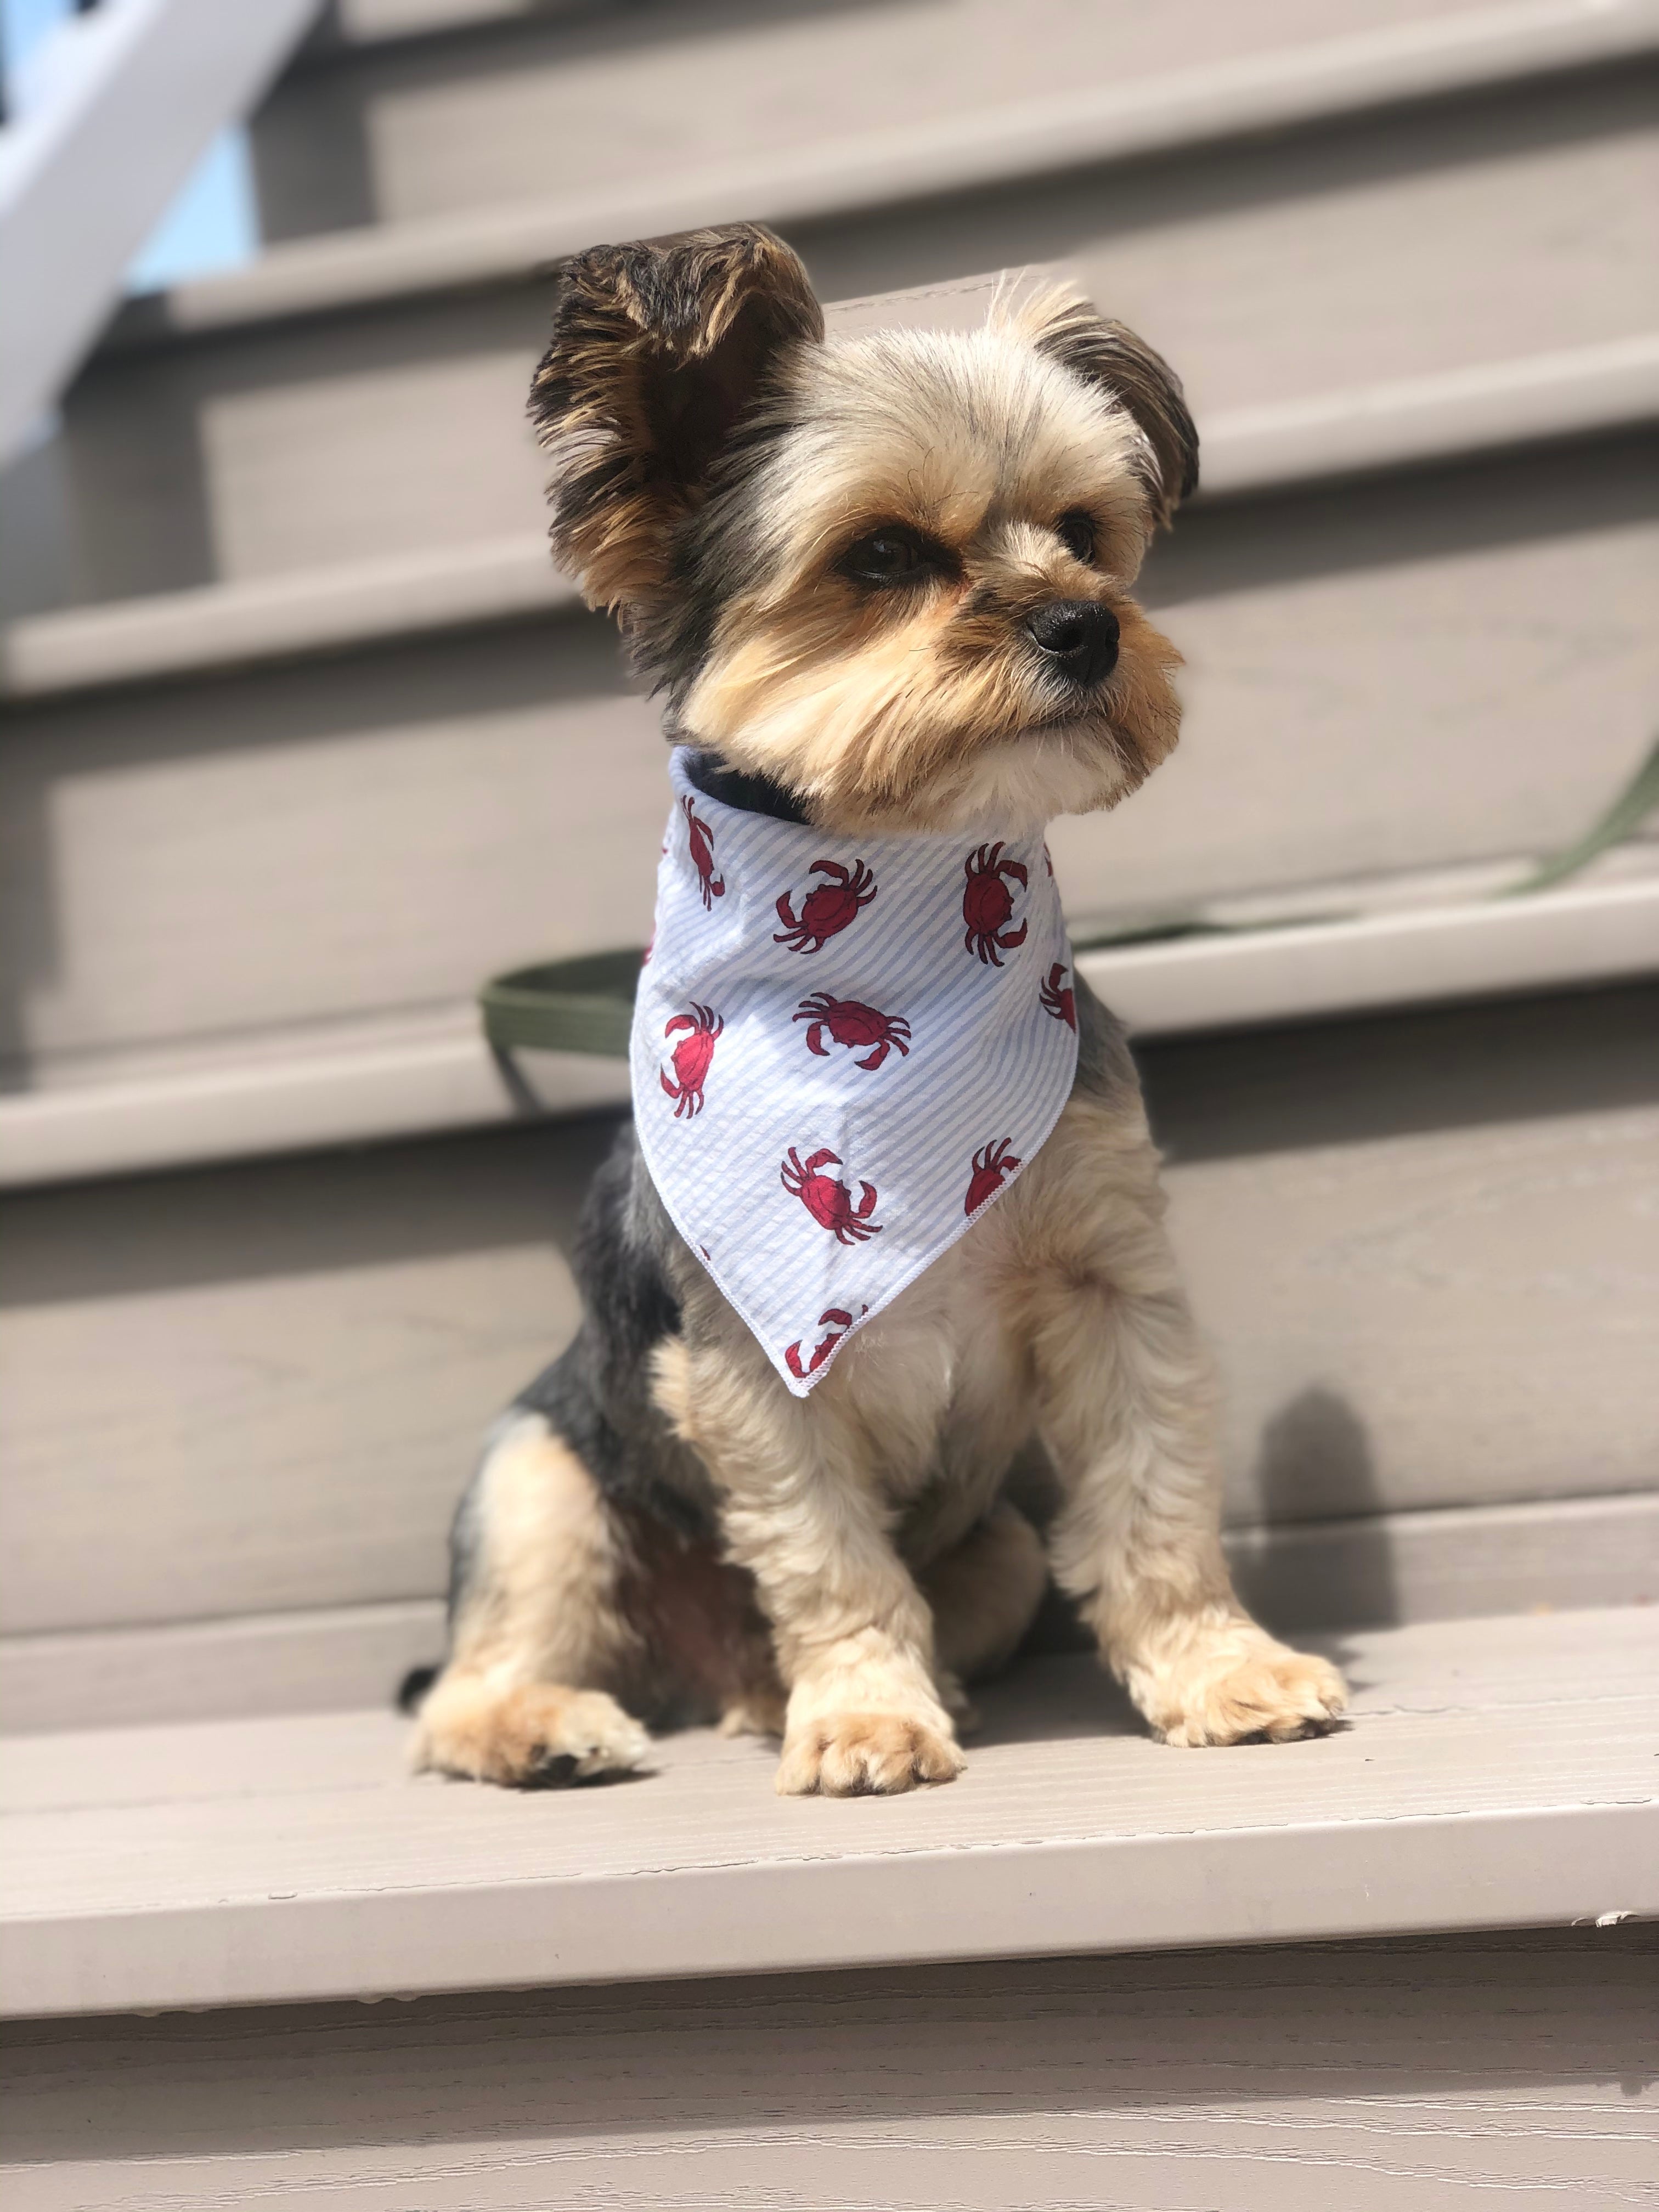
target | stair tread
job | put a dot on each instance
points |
(1399, 423)
(1496, 1773)
(293, 1087)
(813, 176)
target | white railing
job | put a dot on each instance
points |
(124, 100)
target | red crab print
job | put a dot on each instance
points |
(988, 904)
(993, 1165)
(837, 1320)
(827, 908)
(699, 838)
(829, 1202)
(692, 1057)
(850, 1023)
(1059, 999)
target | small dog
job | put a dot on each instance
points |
(883, 583)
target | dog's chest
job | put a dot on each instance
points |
(939, 1382)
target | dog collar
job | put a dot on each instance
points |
(844, 1050)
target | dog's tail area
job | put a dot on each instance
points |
(411, 1691)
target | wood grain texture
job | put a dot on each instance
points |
(1456, 2072)
(374, 836)
(1496, 1774)
(1423, 1247)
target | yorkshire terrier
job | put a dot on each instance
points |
(883, 583)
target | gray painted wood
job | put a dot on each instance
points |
(1496, 1774)
(430, 126)
(312, 1659)
(1456, 2072)
(1376, 681)
(1333, 80)
(1421, 1246)
(1267, 270)
(1455, 416)
(1360, 1571)
(1419, 940)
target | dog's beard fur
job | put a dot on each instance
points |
(927, 704)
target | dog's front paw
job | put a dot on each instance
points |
(535, 1736)
(1245, 1686)
(866, 1754)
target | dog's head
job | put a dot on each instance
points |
(889, 573)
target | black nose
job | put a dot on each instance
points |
(1079, 637)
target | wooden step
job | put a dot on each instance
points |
(1451, 1563)
(237, 1405)
(1378, 678)
(1408, 423)
(463, 112)
(265, 421)
(1497, 1774)
(300, 1086)
(1456, 2071)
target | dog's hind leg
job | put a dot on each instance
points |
(538, 1643)
(985, 1593)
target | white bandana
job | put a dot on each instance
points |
(844, 1049)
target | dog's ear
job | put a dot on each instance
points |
(1069, 328)
(658, 349)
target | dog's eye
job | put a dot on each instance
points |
(1076, 532)
(892, 555)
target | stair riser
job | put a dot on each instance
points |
(1296, 266)
(1446, 2062)
(1378, 678)
(1383, 1570)
(1419, 1245)
(392, 134)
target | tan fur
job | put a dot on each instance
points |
(1059, 1311)
(984, 1594)
(927, 709)
(529, 1655)
(1065, 327)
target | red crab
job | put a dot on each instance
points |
(827, 908)
(993, 1165)
(851, 1024)
(701, 840)
(837, 1320)
(692, 1057)
(1059, 1002)
(987, 904)
(829, 1202)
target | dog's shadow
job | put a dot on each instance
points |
(1318, 1565)
(1044, 1698)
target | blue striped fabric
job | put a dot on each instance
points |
(843, 1051)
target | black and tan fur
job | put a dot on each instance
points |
(882, 583)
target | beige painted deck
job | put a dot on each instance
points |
(1496, 1774)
